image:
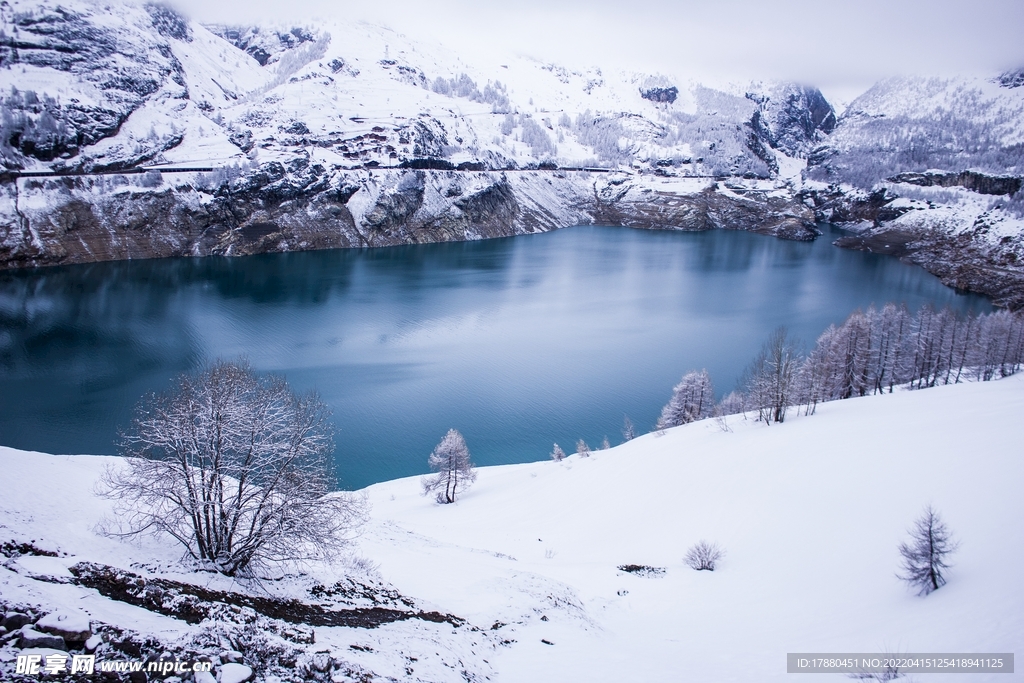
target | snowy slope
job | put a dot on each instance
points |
(809, 512)
(922, 123)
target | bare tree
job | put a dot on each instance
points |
(769, 380)
(692, 399)
(558, 455)
(235, 467)
(924, 558)
(455, 472)
(703, 556)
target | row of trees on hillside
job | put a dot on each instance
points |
(872, 352)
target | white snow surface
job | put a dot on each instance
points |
(809, 513)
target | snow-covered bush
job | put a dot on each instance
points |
(703, 556)
(235, 467)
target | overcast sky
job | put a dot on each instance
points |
(840, 46)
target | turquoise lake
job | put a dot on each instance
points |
(517, 342)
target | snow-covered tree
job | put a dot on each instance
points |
(582, 449)
(628, 431)
(605, 444)
(769, 380)
(558, 455)
(454, 471)
(924, 558)
(733, 403)
(236, 468)
(692, 399)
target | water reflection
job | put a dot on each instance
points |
(517, 342)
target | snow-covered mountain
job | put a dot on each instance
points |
(931, 169)
(525, 577)
(348, 134)
(344, 94)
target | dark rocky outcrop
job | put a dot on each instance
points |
(792, 118)
(708, 210)
(972, 180)
(304, 207)
(658, 94)
(193, 604)
(1012, 79)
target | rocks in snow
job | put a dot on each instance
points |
(73, 627)
(233, 673)
(30, 638)
(15, 620)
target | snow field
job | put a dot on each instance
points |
(809, 513)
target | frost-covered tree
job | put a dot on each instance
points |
(769, 380)
(558, 455)
(692, 399)
(925, 557)
(582, 449)
(235, 467)
(733, 403)
(605, 444)
(628, 431)
(454, 471)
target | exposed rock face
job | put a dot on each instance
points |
(969, 251)
(667, 94)
(792, 118)
(972, 180)
(119, 65)
(83, 219)
(1012, 79)
(265, 46)
(708, 209)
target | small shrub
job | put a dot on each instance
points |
(704, 556)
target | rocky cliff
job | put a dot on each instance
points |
(97, 218)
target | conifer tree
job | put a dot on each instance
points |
(558, 455)
(924, 558)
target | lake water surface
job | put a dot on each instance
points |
(517, 342)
